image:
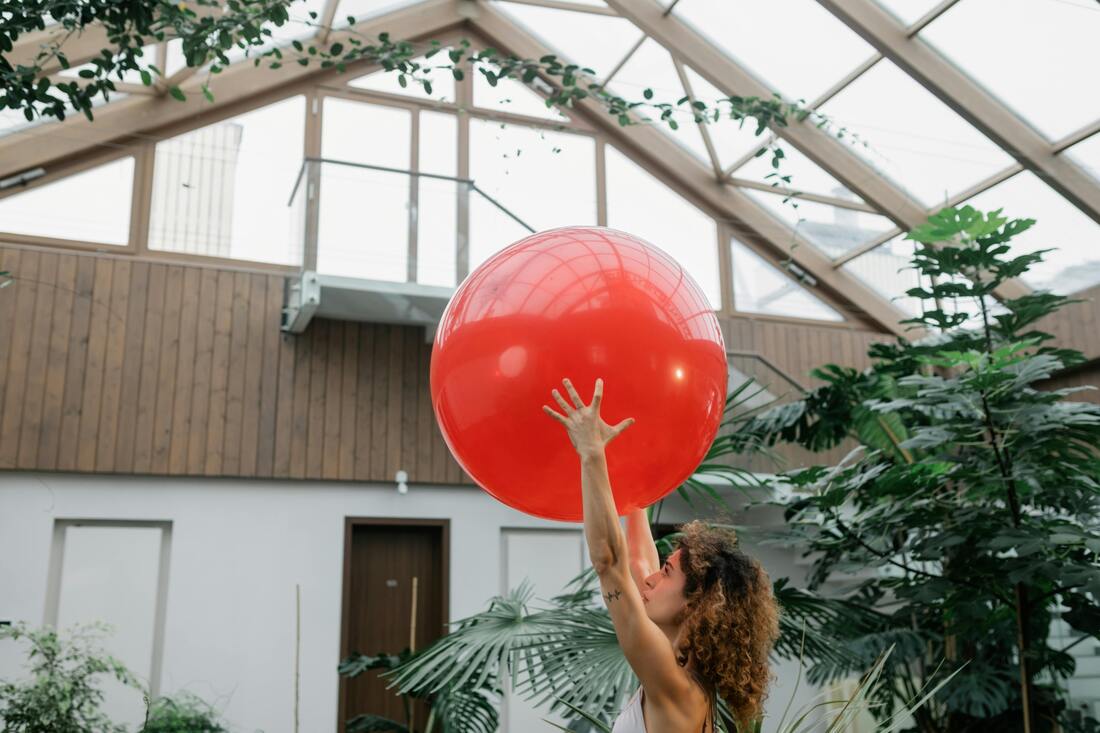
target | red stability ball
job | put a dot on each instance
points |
(582, 303)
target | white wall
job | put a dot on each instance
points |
(237, 550)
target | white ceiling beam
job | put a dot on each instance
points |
(683, 171)
(129, 119)
(970, 100)
(820, 146)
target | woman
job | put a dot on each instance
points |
(698, 627)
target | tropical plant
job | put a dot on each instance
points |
(970, 507)
(63, 690)
(183, 712)
(468, 705)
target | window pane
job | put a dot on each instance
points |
(748, 31)
(364, 213)
(641, 205)
(1075, 263)
(805, 174)
(359, 132)
(437, 209)
(546, 178)
(512, 96)
(92, 206)
(988, 38)
(831, 229)
(909, 11)
(887, 271)
(650, 67)
(758, 287)
(363, 9)
(442, 81)
(110, 575)
(732, 139)
(1087, 155)
(912, 137)
(597, 42)
(222, 190)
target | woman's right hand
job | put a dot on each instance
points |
(586, 429)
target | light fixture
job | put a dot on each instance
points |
(402, 482)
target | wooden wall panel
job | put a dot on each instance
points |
(118, 366)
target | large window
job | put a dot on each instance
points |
(545, 177)
(437, 204)
(364, 215)
(222, 190)
(91, 206)
(758, 287)
(641, 205)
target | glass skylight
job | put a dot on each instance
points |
(642, 205)
(650, 67)
(732, 139)
(442, 81)
(1075, 263)
(887, 271)
(1087, 155)
(804, 173)
(597, 42)
(1039, 56)
(758, 287)
(510, 95)
(911, 136)
(797, 47)
(831, 229)
(909, 11)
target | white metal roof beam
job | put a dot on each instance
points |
(658, 152)
(933, 71)
(833, 155)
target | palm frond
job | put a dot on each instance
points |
(463, 710)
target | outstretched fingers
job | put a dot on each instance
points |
(615, 431)
(597, 395)
(554, 414)
(577, 401)
(565, 406)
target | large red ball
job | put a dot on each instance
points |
(582, 303)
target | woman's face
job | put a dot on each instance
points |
(663, 592)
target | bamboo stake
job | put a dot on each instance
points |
(412, 643)
(297, 647)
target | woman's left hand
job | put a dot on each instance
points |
(587, 430)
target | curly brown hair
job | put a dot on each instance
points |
(730, 622)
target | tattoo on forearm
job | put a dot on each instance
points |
(612, 595)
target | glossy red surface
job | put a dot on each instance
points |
(582, 303)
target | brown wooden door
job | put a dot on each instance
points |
(381, 561)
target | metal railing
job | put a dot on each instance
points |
(366, 220)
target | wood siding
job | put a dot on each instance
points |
(111, 364)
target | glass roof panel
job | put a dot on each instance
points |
(96, 206)
(133, 76)
(732, 140)
(909, 11)
(650, 67)
(804, 173)
(759, 287)
(443, 82)
(597, 42)
(299, 26)
(1087, 155)
(1075, 264)
(747, 31)
(510, 95)
(886, 270)
(911, 136)
(1053, 83)
(644, 206)
(362, 9)
(831, 229)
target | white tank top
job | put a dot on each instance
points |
(631, 719)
